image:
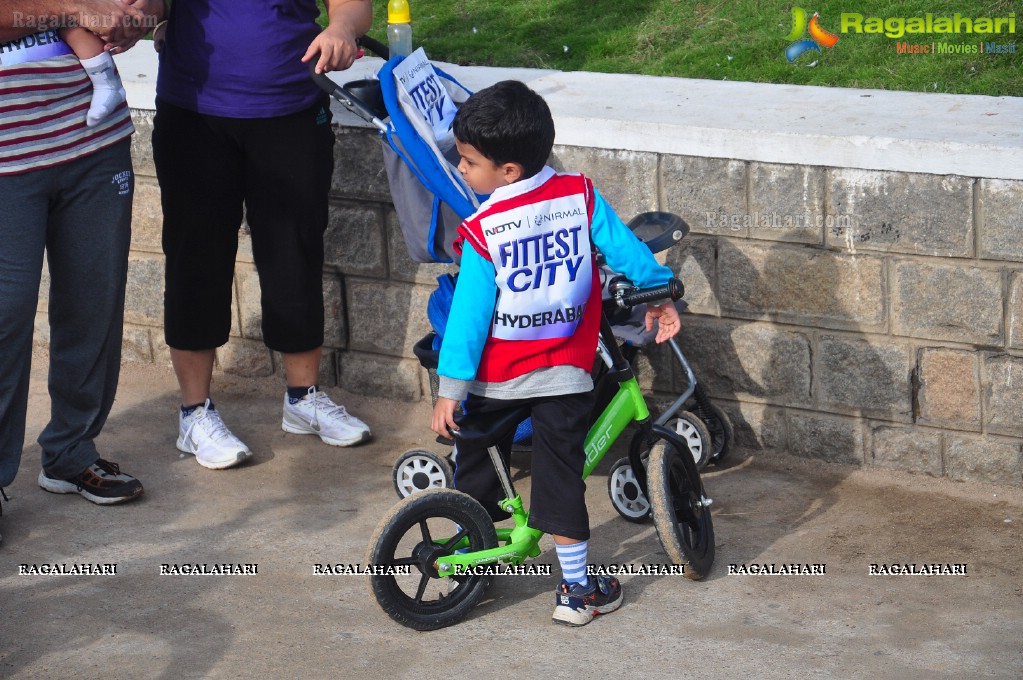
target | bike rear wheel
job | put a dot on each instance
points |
(412, 537)
(680, 509)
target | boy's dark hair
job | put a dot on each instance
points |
(507, 123)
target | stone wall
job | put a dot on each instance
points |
(870, 317)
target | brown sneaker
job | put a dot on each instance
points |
(102, 483)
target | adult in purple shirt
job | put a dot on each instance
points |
(241, 129)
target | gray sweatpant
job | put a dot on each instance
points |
(79, 213)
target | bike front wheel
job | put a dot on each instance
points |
(680, 508)
(408, 543)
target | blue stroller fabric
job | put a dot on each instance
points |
(429, 194)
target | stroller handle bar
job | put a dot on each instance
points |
(347, 99)
(625, 296)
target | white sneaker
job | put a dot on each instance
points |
(203, 434)
(315, 413)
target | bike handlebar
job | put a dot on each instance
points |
(672, 290)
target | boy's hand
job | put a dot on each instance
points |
(668, 323)
(444, 416)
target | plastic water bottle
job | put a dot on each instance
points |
(399, 30)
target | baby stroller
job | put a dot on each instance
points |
(411, 105)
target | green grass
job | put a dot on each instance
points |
(740, 40)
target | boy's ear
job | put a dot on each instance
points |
(512, 172)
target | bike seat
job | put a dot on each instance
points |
(483, 430)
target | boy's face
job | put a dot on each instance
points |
(482, 174)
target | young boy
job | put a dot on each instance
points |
(525, 318)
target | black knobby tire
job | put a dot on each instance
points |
(419, 469)
(679, 508)
(417, 532)
(626, 496)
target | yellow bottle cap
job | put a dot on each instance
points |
(397, 12)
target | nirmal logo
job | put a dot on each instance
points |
(818, 36)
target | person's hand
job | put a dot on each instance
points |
(336, 47)
(444, 416)
(137, 18)
(668, 322)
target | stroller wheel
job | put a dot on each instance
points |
(690, 428)
(721, 433)
(626, 496)
(418, 470)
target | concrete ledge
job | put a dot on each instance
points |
(939, 134)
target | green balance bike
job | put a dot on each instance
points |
(434, 554)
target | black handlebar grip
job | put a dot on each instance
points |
(673, 290)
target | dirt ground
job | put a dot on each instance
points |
(299, 503)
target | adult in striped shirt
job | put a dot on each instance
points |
(66, 192)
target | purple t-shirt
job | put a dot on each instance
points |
(239, 59)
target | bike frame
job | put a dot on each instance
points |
(518, 543)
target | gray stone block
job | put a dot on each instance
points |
(249, 358)
(947, 302)
(912, 449)
(757, 426)
(136, 346)
(1003, 406)
(354, 242)
(142, 142)
(695, 262)
(401, 266)
(655, 368)
(808, 287)
(359, 166)
(948, 394)
(748, 361)
(870, 378)
(335, 320)
(386, 318)
(1001, 214)
(380, 376)
(146, 217)
(829, 438)
(626, 179)
(143, 303)
(985, 459)
(1015, 310)
(708, 193)
(901, 212)
(247, 312)
(787, 203)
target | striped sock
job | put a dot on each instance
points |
(573, 561)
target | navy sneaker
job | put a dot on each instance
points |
(579, 604)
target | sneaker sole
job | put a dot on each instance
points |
(574, 617)
(218, 465)
(60, 486)
(362, 436)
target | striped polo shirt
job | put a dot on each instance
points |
(42, 111)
